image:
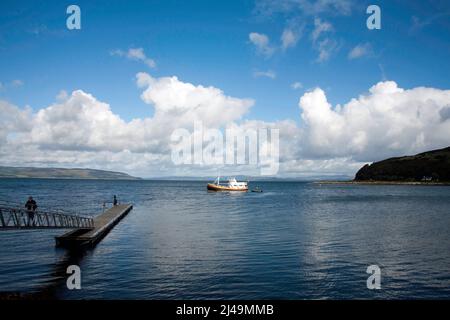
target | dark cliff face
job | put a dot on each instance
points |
(428, 166)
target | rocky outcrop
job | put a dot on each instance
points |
(431, 166)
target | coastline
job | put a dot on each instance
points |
(378, 182)
(73, 178)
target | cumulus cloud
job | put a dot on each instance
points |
(80, 130)
(313, 168)
(13, 121)
(445, 113)
(385, 122)
(262, 43)
(361, 50)
(136, 54)
(187, 102)
(83, 123)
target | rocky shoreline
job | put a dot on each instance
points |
(407, 183)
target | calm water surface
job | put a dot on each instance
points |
(294, 241)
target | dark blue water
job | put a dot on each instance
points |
(294, 241)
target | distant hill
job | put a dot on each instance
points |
(61, 173)
(431, 166)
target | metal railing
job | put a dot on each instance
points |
(12, 218)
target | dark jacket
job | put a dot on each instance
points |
(31, 205)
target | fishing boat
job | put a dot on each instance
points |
(232, 185)
(257, 189)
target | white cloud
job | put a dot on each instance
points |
(13, 121)
(289, 38)
(320, 27)
(386, 122)
(264, 74)
(314, 168)
(325, 46)
(136, 54)
(80, 122)
(361, 50)
(298, 15)
(296, 85)
(187, 102)
(262, 43)
(82, 131)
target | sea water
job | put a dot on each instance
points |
(296, 240)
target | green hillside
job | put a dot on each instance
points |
(62, 173)
(431, 166)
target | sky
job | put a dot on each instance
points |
(109, 95)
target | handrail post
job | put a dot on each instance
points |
(1, 218)
(16, 219)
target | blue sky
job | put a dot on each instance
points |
(209, 43)
(206, 42)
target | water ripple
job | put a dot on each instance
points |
(294, 241)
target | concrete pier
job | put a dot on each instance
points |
(102, 225)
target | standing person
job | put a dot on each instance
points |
(115, 200)
(31, 207)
